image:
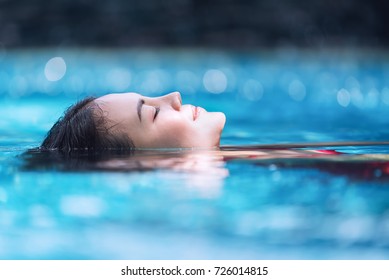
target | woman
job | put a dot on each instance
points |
(130, 120)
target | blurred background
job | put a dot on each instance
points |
(227, 24)
(318, 60)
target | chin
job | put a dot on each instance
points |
(220, 121)
(211, 129)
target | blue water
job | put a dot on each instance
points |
(283, 201)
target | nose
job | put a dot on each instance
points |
(174, 100)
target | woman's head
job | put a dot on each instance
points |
(130, 120)
(83, 127)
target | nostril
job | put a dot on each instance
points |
(177, 104)
(179, 97)
(176, 101)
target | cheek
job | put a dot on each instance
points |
(196, 134)
(176, 133)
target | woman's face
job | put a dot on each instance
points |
(161, 122)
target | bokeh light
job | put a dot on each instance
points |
(343, 97)
(297, 90)
(55, 69)
(252, 90)
(215, 81)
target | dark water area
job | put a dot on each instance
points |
(222, 24)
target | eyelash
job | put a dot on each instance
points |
(157, 109)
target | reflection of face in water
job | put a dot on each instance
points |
(201, 171)
(210, 162)
(161, 122)
(206, 170)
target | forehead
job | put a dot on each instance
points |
(118, 98)
(119, 108)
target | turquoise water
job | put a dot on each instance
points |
(271, 192)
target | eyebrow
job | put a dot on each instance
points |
(139, 108)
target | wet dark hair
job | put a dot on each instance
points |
(84, 127)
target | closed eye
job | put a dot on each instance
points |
(157, 109)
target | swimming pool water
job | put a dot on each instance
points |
(244, 202)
